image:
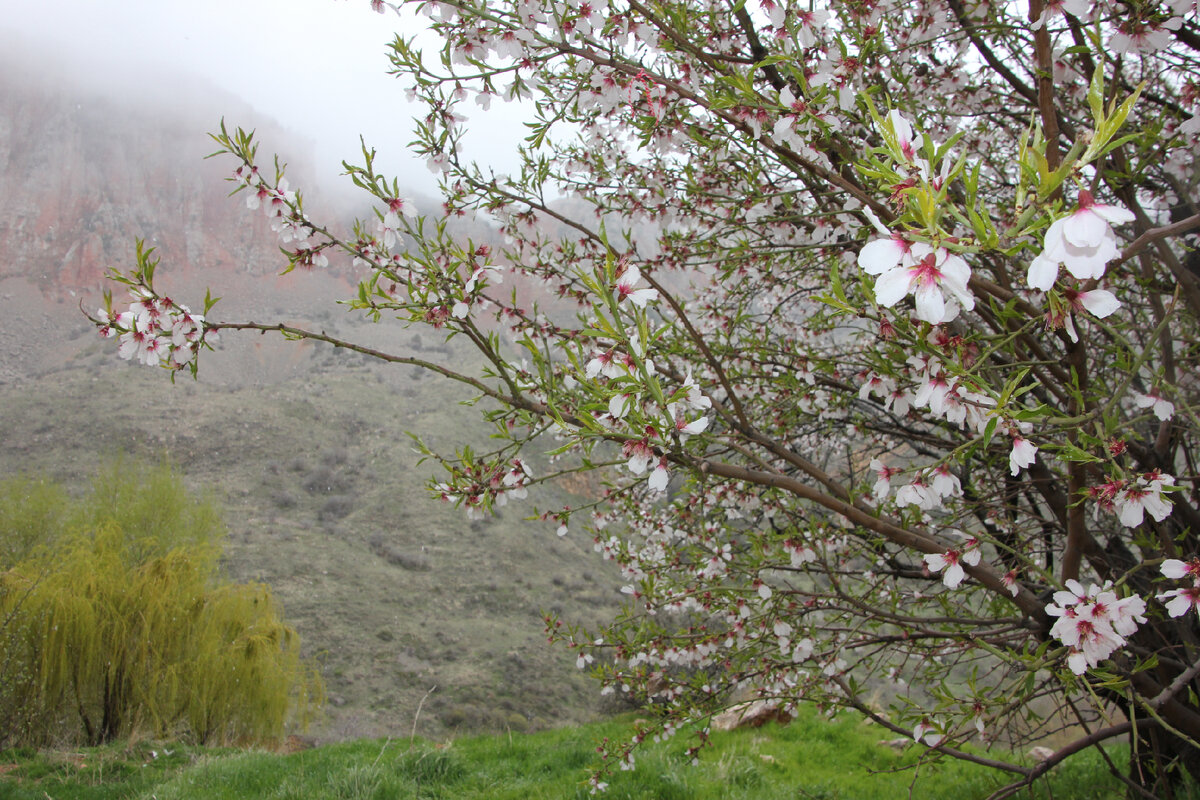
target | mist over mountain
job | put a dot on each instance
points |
(88, 165)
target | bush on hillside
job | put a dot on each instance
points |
(115, 620)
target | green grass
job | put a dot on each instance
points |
(811, 758)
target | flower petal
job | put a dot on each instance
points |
(880, 255)
(892, 286)
(1043, 272)
(1099, 302)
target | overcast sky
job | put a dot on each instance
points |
(316, 66)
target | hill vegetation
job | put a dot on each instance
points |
(115, 620)
(394, 593)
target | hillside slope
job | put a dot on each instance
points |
(303, 446)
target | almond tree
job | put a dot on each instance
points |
(877, 319)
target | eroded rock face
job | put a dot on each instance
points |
(87, 168)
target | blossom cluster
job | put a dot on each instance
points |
(1131, 500)
(704, 230)
(952, 562)
(1093, 623)
(280, 204)
(624, 370)
(156, 331)
(479, 487)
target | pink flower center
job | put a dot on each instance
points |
(926, 273)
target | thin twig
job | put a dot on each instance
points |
(412, 737)
(1154, 234)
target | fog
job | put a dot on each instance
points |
(317, 67)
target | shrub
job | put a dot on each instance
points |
(114, 620)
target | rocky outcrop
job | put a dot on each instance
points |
(85, 171)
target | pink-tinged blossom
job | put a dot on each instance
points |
(951, 561)
(695, 399)
(1097, 302)
(1163, 409)
(926, 732)
(1180, 601)
(810, 23)
(619, 405)
(1175, 569)
(186, 328)
(626, 290)
(881, 255)
(899, 402)
(106, 330)
(280, 198)
(1100, 303)
(640, 454)
(136, 343)
(883, 476)
(1010, 582)
(1093, 622)
(875, 384)
(1076, 8)
(488, 272)
(682, 425)
(1125, 613)
(1073, 594)
(606, 363)
(1143, 495)
(799, 553)
(945, 483)
(932, 392)
(257, 195)
(515, 479)
(918, 494)
(247, 175)
(146, 309)
(905, 140)
(1083, 242)
(1134, 36)
(389, 222)
(397, 207)
(659, 476)
(1024, 453)
(937, 279)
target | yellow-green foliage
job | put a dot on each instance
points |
(114, 620)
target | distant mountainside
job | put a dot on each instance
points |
(86, 170)
(88, 166)
(304, 446)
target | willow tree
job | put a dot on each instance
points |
(879, 319)
(116, 621)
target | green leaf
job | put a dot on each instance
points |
(989, 430)
(1095, 95)
(1069, 452)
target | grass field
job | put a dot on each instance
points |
(811, 758)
